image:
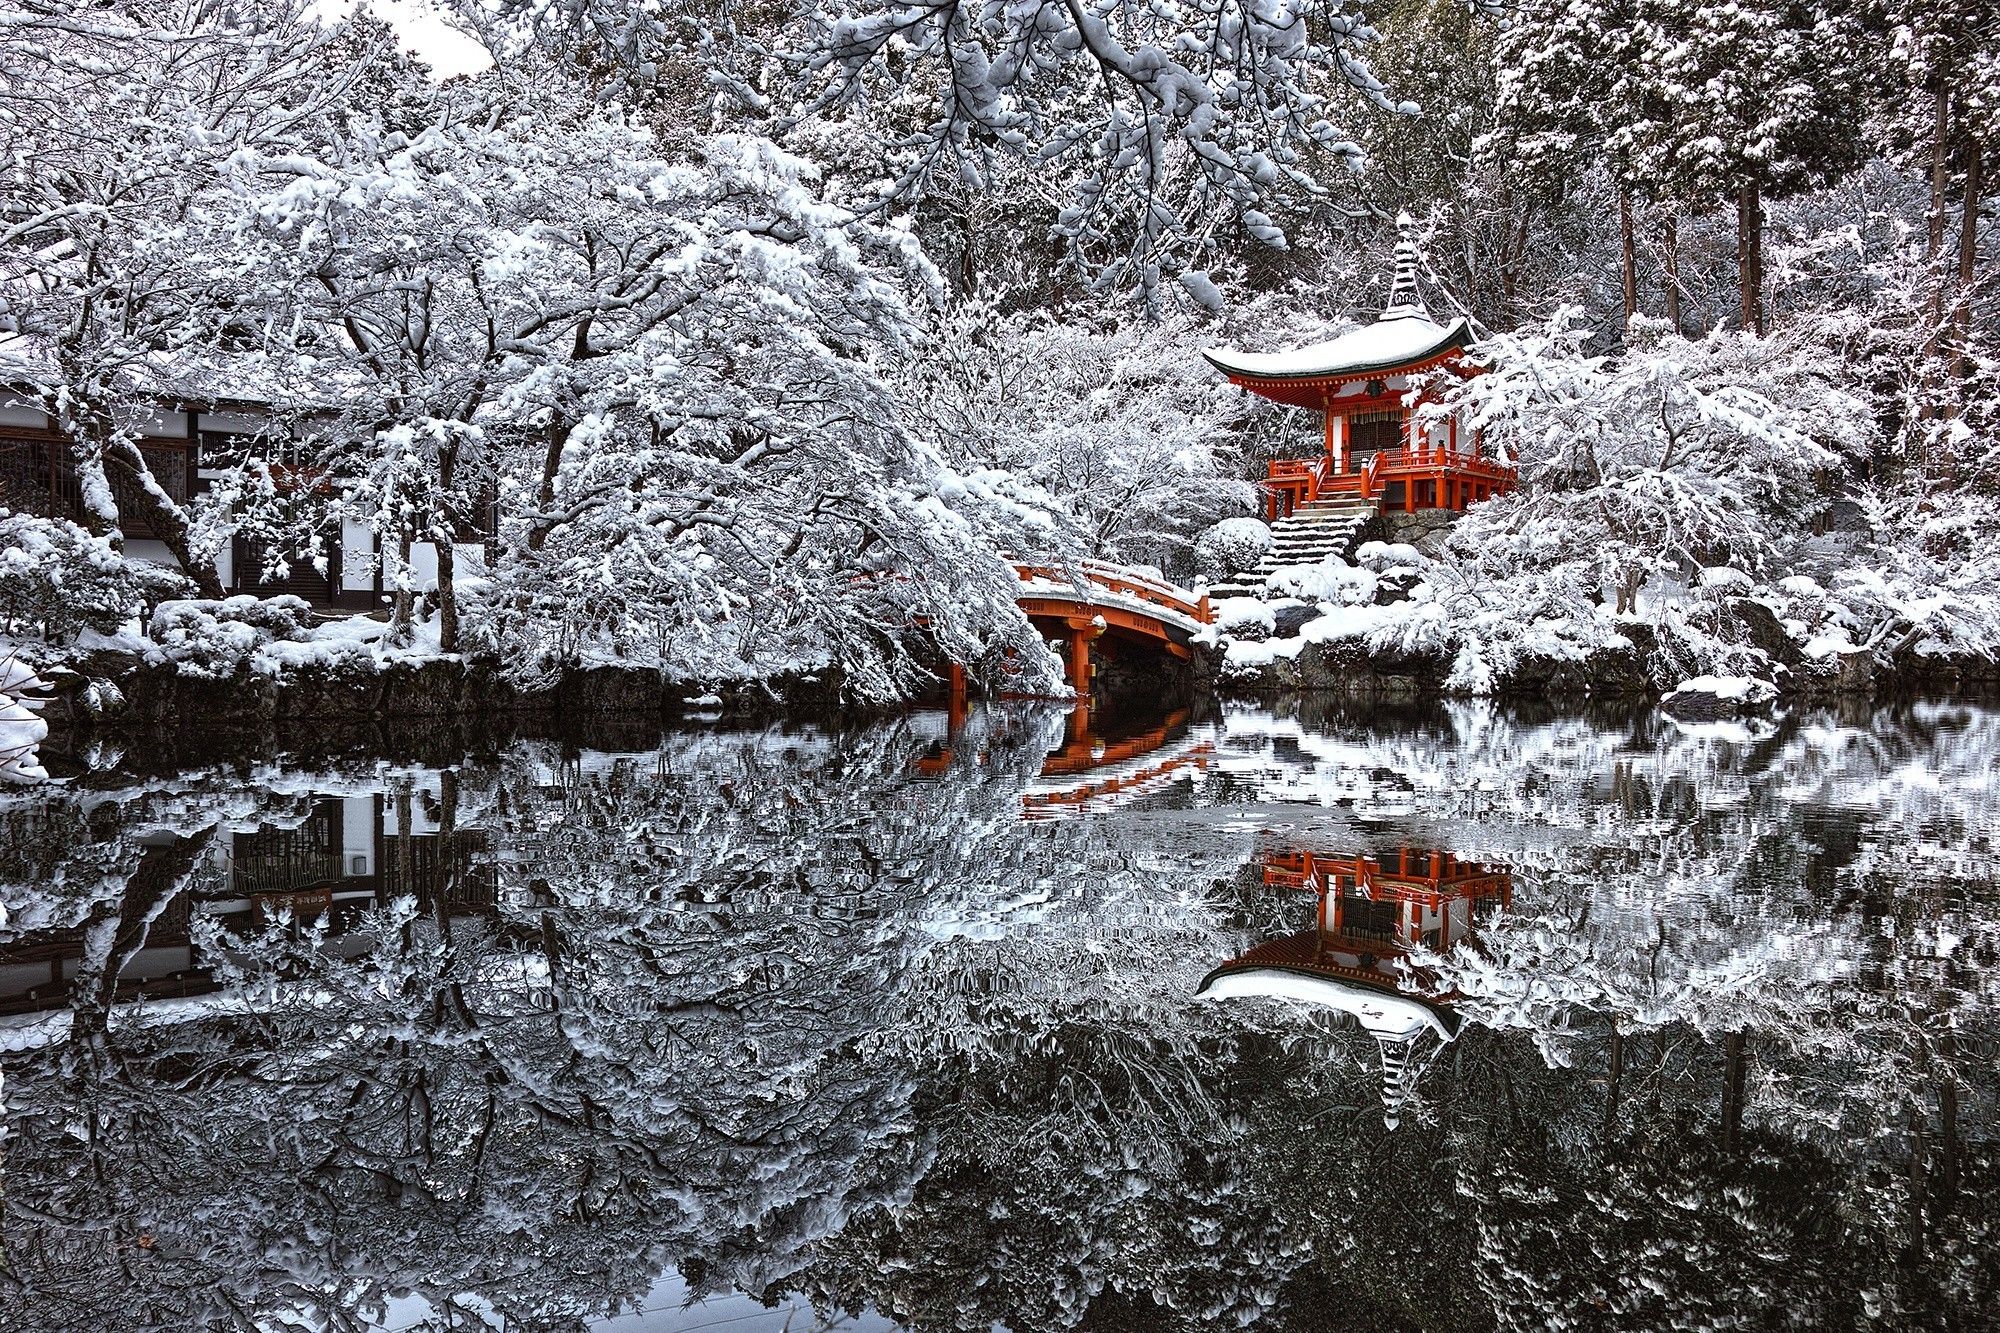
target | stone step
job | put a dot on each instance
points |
(1314, 529)
(1309, 534)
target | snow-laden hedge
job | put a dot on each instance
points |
(220, 638)
(1231, 547)
(56, 580)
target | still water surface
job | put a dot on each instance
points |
(1457, 1018)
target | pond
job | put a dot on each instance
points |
(1446, 1018)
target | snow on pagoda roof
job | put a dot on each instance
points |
(1397, 340)
(1380, 1013)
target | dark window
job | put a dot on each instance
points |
(1366, 919)
(1370, 431)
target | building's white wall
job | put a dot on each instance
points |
(149, 420)
(471, 558)
(425, 793)
(145, 548)
(234, 423)
(225, 565)
(19, 412)
(357, 557)
(424, 564)
(357, 835)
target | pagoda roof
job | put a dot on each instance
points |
(1381, 1015)
(1291, 969)
(1399, 341)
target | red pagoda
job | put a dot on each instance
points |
(1377, 452)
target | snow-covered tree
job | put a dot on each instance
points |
(659, 357)
(1113, 443)
(1167, 120)
(114, 276)
(1671, 457)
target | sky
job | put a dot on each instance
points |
(424, 32)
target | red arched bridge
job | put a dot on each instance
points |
(1093, 600)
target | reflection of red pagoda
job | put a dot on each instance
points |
(1370, 914)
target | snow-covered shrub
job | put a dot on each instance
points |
(1231, 547)
(1245, 618)
(1381, 557)
(1676, 453)
(56, 580)
(21, 731)
(211, 638)
(1931, 584)
(1703, 634)
(1332, 581)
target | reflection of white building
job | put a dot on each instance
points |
(349, 853)
(1369, 914)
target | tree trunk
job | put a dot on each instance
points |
(402, 608)
(163, 873)
(1615, 1075)
(1750, 258)
(444, 536)
(1940, 179)
(1629, 257)
(1948, 1112)
(447, 590)
(1732, 1090)
(168, 520)
(1968, 256)
(1671, 245)
(555, 437)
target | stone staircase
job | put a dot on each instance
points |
(1308, 535)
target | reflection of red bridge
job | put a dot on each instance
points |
(1090, 771)
(1122, 769)
(1370, 913)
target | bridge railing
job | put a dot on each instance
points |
(1127, 583)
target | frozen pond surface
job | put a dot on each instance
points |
(1451, 1018)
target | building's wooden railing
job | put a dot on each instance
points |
(1292, 482)
(1410, 874)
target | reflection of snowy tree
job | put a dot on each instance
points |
(779, 1011)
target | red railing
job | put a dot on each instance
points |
(1410, 874)
(1116, 578)
(1292, 482)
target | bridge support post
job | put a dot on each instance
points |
(956, 706)
(1081, 632)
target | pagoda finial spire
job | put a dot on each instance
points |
(1405, 301)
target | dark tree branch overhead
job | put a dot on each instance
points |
(1162, 118)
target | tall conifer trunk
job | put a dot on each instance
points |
(1940, 178)
(1671, 245)
(1628, 250)
(444, 536)
(1750, 258)
(1968, 256)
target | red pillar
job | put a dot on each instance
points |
(957, 708)
(1079, 658)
